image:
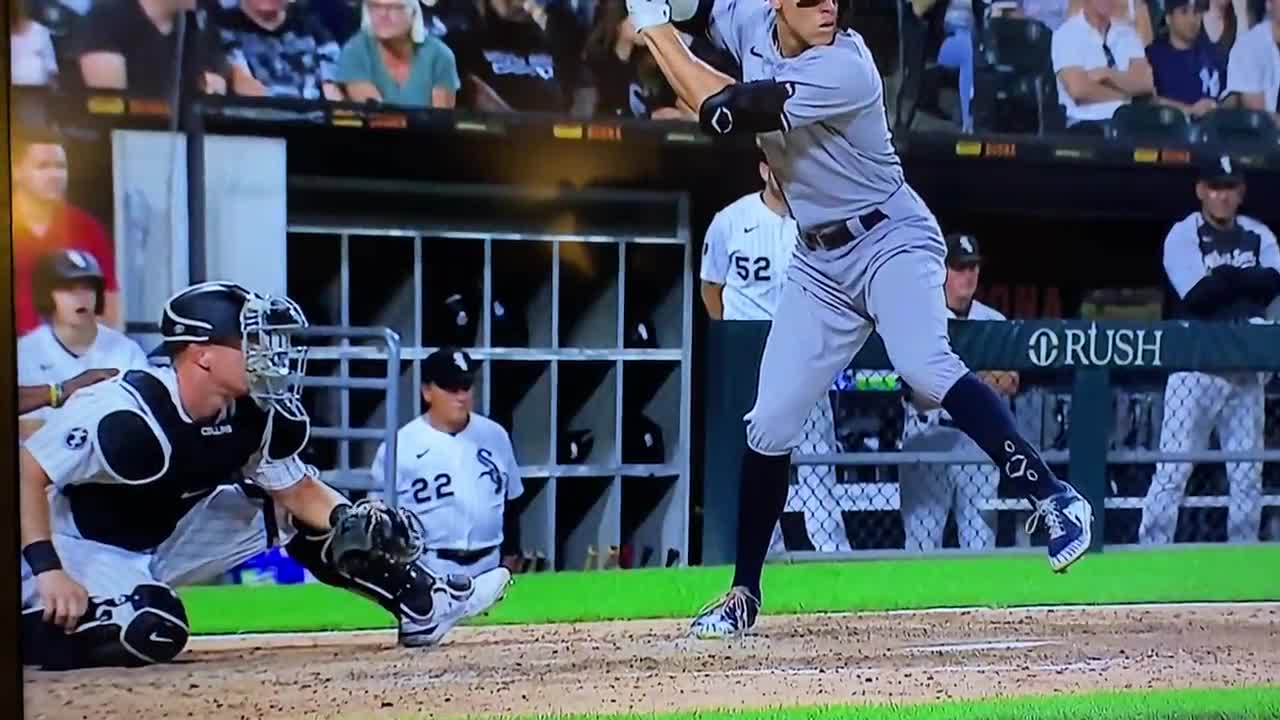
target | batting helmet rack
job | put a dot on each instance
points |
(344, 477)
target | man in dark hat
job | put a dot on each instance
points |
(1222, 267)
(929, 492)
(72, 348)
(456, 471)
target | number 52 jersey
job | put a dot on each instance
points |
(456, 484)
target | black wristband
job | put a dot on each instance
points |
(41, 556)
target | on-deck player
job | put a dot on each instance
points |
(1224, 267)
(744, 263)
(929, 492)
(69, 293)
(457, 472)
(870, 257)
(171, 476)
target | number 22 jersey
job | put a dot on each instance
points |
(456, 484)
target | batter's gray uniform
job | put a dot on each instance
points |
(871, 253)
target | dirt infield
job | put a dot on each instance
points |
(650, 666)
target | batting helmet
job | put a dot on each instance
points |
(62, 268)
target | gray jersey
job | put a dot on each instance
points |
(834, 159)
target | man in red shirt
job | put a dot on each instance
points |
(43, 221)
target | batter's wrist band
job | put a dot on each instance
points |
(41, 556)
(55, 395)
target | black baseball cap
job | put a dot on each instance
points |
(962, 250)
(1171, 5)
(1220, 169)
(449, 368)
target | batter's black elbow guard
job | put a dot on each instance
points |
(752, 107)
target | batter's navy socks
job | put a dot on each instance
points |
(761, 500)
(982, 415)
(1067, 516)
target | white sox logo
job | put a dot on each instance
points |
(1119, 348)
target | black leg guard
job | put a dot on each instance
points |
(403, 591)
(145, 627)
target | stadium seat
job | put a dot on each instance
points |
(1015, 87)
(1238, 125)
(1148, 121)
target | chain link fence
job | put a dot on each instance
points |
(1194, 457)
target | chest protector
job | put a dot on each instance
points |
(163, 470)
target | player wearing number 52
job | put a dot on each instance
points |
(456, 470)
(746, 252)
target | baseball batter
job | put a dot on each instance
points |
(870, 257)
(171, 476)
(1224, 267)
(745, 255)
(69, 293)
(457, 472)
(929, 492)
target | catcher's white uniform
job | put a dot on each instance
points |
(928, 492)
(747, 250)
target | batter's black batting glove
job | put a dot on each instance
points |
(370, 533)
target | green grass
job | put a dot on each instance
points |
(1174, 575)
(1254, 703)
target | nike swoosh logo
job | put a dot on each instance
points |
(756, 52)
(156, 637)
(424, 452)
(186, 495)
(753, 227)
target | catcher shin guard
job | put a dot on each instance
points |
(145, 627)
(404, 590)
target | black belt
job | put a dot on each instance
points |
(464, 557)
(838, 235)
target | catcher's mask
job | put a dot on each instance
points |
(218, 311)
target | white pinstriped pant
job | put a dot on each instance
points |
(223, 530)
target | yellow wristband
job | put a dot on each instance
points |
(55, 395)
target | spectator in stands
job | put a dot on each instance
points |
(31, 58)
(1133, 13)
(43, 222)
(1254, 68)
(1223, 22)
(1100, 66)
(625, 78)
(956, 51)
(132, 45)
(1189, 73)
(393, 59)
(521, 55)
(278, 50)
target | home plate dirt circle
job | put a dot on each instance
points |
(650, 666)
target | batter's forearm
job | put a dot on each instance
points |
(33, 501)
(309, 500)
(693, 80)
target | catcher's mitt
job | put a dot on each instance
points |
(369, 532)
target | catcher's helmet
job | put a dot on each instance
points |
(60, 269)
(260, 325)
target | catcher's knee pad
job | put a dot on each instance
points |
(146, 627)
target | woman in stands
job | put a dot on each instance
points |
(393, 60)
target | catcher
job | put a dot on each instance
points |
(164, 477)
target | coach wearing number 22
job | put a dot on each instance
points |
(456, 470)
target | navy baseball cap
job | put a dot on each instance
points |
(1220, 169)
(1171, 5)
(449, 368)
(962, 250)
